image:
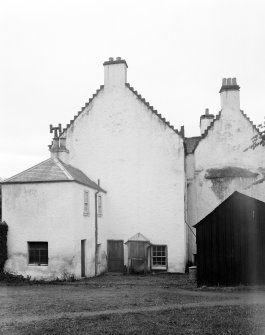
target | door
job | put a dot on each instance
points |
(83, 258)
(115, 256)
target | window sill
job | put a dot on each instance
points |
(38, 265)
(162, 267)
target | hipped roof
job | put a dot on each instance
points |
(53, 170)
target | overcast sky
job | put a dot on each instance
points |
(51, 55)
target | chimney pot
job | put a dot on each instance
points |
(115, 72)
(206, 111)
(230, 94)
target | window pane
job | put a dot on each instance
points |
(38, 252)
(159, 256)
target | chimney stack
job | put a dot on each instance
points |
(205, 120)
(229, 93)
(115, 72)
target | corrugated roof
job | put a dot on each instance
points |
(52, 170)
(190, 143)
(240, 195)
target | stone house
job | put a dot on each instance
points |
(155, 184)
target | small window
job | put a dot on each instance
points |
(159, 257)
(38, 253)
(100, 209)
(86, 203)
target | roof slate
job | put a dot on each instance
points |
(52, 170)
(190, 143)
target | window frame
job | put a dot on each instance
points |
(40, 261)
(86, 211)
(100, 205)
(165, 256)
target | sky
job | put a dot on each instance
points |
(51, 56)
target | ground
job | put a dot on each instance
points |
(158, 304)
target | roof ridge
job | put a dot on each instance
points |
(154, 111)
(217, 117)
(76, 178)
(60, 165)
(82, 109)
(31, 168)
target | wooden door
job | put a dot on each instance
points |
(115, 256)
(83, 258)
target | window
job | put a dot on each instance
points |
(100, 210)
(86, 203)
(159, 257)
(38, 253)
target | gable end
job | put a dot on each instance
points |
(154, 111)
(217, 118)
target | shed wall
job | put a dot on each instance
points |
(230, 243)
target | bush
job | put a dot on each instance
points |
(3, 245)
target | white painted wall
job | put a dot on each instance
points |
(224, 146)
(53, 213)
(140, 162)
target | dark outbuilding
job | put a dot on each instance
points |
(231, 243)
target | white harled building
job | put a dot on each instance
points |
(140, 161)
(123, 188)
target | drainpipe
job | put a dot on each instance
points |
(96, 229)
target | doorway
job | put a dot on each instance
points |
(115, 256)
(83, 258)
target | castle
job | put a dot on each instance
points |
(123, 188)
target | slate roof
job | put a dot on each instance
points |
(52, 170)
(190, 143)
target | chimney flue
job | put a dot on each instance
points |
(115, 72)
(230, 94)
(206, 120)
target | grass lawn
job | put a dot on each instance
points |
(164, 304)
(206, 320)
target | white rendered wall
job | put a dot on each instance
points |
(224, 146)
(140, 162)
(53, 213)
